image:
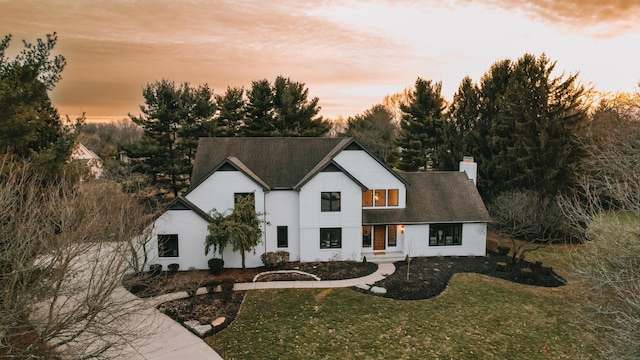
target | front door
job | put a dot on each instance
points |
(379, 237)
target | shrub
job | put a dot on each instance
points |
(155, 269)
(501, 266)
(283, 257)
(503, 250)
(226, 288)
(269, 259)
(173, 268)
(538, 263)
(526, 272)
(364, 260)
(407, 259)
(215, 266)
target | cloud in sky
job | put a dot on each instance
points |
(349, 54)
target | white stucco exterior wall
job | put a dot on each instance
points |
(349, 218)
(369, 172)
(474, 240)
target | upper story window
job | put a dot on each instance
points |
(380, 198)
(330, 201)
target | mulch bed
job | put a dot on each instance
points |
(145, 285)
(429, 276)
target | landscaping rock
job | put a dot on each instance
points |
(191, 323)
(219, 321)
(378, 290)
(202, 330)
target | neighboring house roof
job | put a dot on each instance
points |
(276, 163)
(82, 152)
(434, 197)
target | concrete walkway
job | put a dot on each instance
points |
(173, 341)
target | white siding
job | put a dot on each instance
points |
(216, 192)
(191, 230)
(283, 208)
(369, 172)
(474, 236)
(349, 218)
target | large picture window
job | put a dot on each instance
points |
(330, 238)
(445, 234)
(330, 201)
(168, 245)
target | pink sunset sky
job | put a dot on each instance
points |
(350, 54)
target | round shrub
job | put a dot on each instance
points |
(503, 250)
(526, 272)
(215, 266)
(173, 268)
(364, 260)
(270, 260)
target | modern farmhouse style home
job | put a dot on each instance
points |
(323, 199)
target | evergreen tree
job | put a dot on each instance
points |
(462, 118)
(30, 126)
(260, 111)
(421, 137)
(282, 109)
(376, 130)
(524, 134)
(172, 119)
(231, 112)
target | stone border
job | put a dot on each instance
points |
(255, 278)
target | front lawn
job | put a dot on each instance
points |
(476, 317)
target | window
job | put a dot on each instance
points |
(283, 236)
(168, 245)
(381, 197)
(392, 239)
(445, 234)
(393, 197)
(330, 238)
(330, 201)
(367, 198)
(366, 236)
(238, 196)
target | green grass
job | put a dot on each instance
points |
(476, 317)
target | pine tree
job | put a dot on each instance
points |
(172, 119)
(232, 109)
(421, 137)
(260, 112)
(462, 117)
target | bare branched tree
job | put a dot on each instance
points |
(605, 207)
(63, 254)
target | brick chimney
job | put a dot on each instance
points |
(467, 165)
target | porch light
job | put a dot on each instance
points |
(402, 229)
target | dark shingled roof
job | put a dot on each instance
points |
(434, 197)
(280, 162)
